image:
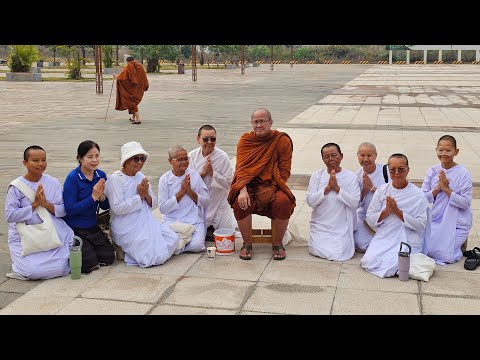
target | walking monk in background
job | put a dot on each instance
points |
(132, 82)
(263, 164)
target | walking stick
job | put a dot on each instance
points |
(111, 91)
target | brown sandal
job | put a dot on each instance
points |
(248, 252)
(276, 252)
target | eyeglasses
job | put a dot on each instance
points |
(400, 170)
(185, 159)
(211, 138)
(137, 159)
(259, 122)
(331, 156)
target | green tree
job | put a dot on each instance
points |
(257, 52)
(107, 56)
(153, 53)
(74, 64)
(21, 57)
(304, 53)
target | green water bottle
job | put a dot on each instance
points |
(76, 258)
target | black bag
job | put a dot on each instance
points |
(385, 175)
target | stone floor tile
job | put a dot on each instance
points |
(355, 277)
(450, 305)
(81, 306)
(209, 293)
(368, 302)
(290, 299)
(164, 309)
(302, 273)
(36, 305)
(130, 287)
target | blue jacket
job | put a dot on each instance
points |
(80, 207)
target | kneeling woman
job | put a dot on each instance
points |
(83, 194)
(47, 193)
(144, 239)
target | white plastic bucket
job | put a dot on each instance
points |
(224, 241)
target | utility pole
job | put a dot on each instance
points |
(116, 61)
(98, 69)
(271, 57)
(242, 59)
(194, 62)
(291, 52)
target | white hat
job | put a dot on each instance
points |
(130, 149)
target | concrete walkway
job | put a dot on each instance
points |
(400, 108)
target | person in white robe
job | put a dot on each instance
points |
(398, 212)
(448, 186)
(215, 168)
(145, 241)
(370, 176)
(183, 197)
(18, 208)
(333, 194)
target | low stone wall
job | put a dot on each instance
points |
(16, 76)
(107, 71)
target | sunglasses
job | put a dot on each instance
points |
(137, 159)
(400, 170)
(212, 139)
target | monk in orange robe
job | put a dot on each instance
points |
(264, 161)
(132, 82)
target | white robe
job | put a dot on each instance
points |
(219, 212)
(381, 257)
(451, 216)
(185, 211)
(45, 264)
(135, 229)
(334, 215)
(363, 235)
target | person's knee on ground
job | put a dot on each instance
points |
(105, 255)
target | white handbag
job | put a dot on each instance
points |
(38, 237)
(421, 267)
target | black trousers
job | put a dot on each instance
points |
(97, 249)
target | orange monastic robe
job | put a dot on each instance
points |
(264, 161)
(132, 82)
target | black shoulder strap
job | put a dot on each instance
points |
(385, 174)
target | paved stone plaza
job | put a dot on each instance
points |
(400, 108)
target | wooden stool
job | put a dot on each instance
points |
(263, 236)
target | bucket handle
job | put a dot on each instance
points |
(409, 247)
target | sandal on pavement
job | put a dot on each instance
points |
(135, 122)
(131, 120)
(471, 253)
(248, 252)
(276, 252)
(472, 263)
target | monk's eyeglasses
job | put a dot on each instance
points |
(185, 159)
(400, 170)
(211, 138)
(259, 122)
(137, 159)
